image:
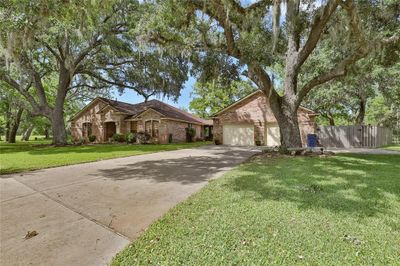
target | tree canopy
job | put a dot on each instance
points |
(314, 41)
(149, 47)
(79, 45)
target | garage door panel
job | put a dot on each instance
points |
(239, 135)
(273, 135)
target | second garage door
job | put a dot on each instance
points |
(239, 135)
(273, 135)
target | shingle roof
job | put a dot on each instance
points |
(133, 110)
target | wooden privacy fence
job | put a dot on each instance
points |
(354, 136)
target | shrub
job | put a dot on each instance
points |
(130, 137)
(143, 137)
(282, 150)
(190, 133)
(92, 138)
(118, 137)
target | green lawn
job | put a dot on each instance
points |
(341, 210)
(392, 147)
(23, 156)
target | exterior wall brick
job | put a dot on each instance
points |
(91, 115)
(256, 110)
(177, 129)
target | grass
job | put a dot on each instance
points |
(341, 210)
(24, 156)
(395, 147)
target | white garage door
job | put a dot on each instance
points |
(273, 135)
(239, 135)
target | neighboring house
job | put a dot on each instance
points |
(251, 119)
(103, 118)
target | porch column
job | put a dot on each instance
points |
(117, 127)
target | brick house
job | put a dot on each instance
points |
(251, 119)
(103, 118)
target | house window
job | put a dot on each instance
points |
(86, 129)
(134, 125)
(155, 129)
(151, 128)
(147, 127)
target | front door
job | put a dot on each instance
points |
(110, 130)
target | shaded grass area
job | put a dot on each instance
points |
(341, 210)
(392, 147)
(24, 156)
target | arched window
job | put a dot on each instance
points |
(151, 127)
(86, 129)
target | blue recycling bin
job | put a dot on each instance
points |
(311, 140)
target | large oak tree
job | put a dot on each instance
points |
(84, 45)
(267, 32)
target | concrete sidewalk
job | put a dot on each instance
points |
(84, 214)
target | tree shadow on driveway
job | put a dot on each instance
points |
(187, 170)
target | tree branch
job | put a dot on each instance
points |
(338, 71)
(317, 28)
(56, 55)
(23, 91)
(259, 76)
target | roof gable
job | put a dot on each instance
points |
(88, 106)
(253, 94)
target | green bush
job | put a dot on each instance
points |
(143, 137)
(118, 137)
(92, 138)
(130, 137)
(190, 133)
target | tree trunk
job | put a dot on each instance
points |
(330, 119)
(27, 133)
(8, 121)
(7, 128)
(58, 127)
(286, 116)
(57, 118)
(284, 108)
(361, 112)
(46, 133)
(14, 127)
(290, 131)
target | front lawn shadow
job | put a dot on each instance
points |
(339, 183)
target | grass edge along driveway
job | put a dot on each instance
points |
(20, 157)
(340, 210)
(394, 147)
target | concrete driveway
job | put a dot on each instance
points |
(84, 214)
